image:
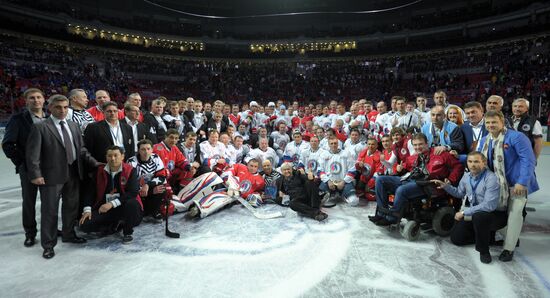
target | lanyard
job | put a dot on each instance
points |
(474, 186)
(116, 135)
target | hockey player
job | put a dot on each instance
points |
(213, 152)
(179, 168)
(354, 145)
(101, 97)
(152, 177)
(263, 152)
(337, 175)
(311, 158)
(294, 149)
(388, 157)
(241, 180)
(368, 164)
(280, 139)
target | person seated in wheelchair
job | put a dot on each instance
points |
(414, 180)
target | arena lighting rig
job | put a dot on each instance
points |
(90, 32)
(302, 47)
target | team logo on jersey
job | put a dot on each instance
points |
(171, 165)
(335, 168)
(245, 186)
(326, 125)
(295, 159)
(282, 144)
(216, 156)
(526, 127)
(499, 158)
(403, 151)
(123, 180)
(312, 165)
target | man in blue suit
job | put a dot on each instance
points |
(511, 157)
(473, 129)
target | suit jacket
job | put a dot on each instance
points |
(15, 140)
(468, 134)
(210, 124)
(45, 154)
(97, 138)
(156, 131)
(519, 160)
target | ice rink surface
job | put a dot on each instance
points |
(233, 254)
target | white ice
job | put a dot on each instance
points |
(233, 254)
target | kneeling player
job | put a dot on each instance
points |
(152, 178)
(115, 199)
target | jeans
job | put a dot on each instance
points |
(404, 191)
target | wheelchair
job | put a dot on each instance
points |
(434, 212)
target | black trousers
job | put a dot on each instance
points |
(309, 203)
(479, 230)
(49, 197)
(151, 203)
(129, 213)
(29, 192)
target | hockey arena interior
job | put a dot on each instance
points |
(293, 148)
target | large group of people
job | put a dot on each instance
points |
(117, 167)
(508, 70)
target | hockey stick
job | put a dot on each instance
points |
(256, 213)
(167, 232)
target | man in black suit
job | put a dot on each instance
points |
(140, 130)
(55, 156)
(155, 122)
(101, 135)
(215, 123)
(14, 143)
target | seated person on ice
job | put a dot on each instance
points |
(114, 201)
(424, 165)
(180, 171)
(337, 175)
(302, 190)
(152, 178)
(241, 180)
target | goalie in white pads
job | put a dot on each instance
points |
(241, 181)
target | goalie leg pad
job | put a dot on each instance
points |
(212, 203)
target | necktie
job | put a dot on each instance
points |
(67, 143)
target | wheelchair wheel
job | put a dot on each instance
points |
(443, 221)
(411, 230)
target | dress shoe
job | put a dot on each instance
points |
(321, 216)
(74, 239)
(506, 256)
(485, 258)
(375, 218)
(127, 239)
(48, 253)
(29, 241)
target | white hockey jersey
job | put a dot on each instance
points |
(311, 160)
(210, 154)
(354, 148)
(260, 155)
(337, 167)
(293, 151)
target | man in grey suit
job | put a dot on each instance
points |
(55, 157)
